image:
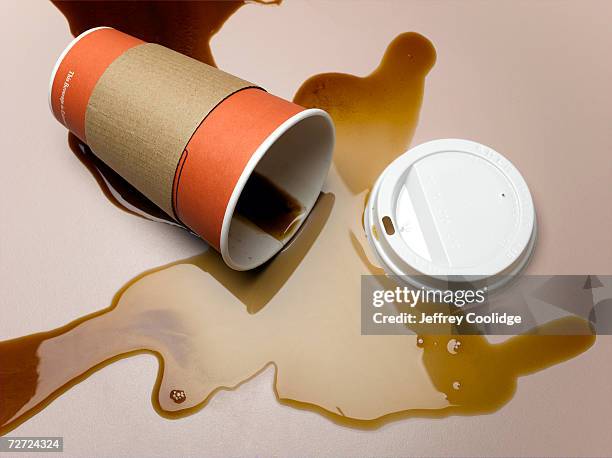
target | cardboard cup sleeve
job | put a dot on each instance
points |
(193, 139)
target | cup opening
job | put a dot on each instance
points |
(277, 189)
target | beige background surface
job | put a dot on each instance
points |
(531, 79)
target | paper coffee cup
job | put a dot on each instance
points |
(451, 211)
(240, 167)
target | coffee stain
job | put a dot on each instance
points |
(376, 115)
(186, 27)
(212, 328)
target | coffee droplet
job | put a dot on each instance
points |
(453, 346)
(178, 396)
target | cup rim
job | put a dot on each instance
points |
(250, 166)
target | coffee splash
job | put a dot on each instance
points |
(212, 328)
(376, 115)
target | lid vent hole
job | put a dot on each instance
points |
(388, 225)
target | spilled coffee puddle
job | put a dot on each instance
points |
(186, 27)
(212, 328)
(376, 115)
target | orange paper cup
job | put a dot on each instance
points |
(251, 131)
(240, 167)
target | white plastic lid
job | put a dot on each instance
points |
(451, 208)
